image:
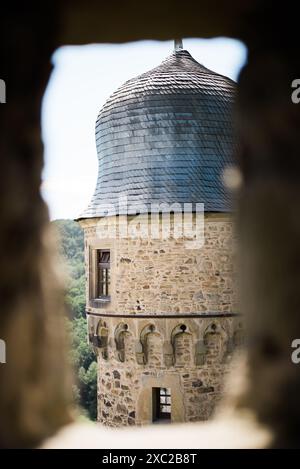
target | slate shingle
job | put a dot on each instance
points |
(164, 137)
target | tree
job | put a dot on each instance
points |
(82, 356)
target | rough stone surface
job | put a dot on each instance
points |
(174, 298)
(172, 280)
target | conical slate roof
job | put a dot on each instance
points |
(165, 137)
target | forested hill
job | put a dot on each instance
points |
(82, 356)
(72, 250)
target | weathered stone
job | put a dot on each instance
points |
(117, 419)
(194, 355)
(206, 389)
(122, 409)
(197, 384)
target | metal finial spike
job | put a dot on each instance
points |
(178, 45)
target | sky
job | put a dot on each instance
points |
(82, 80)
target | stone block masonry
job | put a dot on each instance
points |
(170, 321)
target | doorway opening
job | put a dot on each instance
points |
(161, 405)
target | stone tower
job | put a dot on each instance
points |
(160, 296)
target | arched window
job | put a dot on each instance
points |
(124, 343)
(182, 345)
(154, 349)
(213, 342)
(152, 346)
(102, 341)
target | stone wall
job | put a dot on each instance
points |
(160, 359)
(170, 320)
(166, 276)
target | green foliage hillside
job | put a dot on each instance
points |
(72, 250)
(82, 356)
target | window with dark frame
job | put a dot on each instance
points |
(103, 273)
(161, 398)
